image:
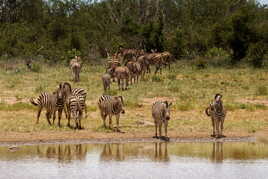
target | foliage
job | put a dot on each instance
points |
(59, 29)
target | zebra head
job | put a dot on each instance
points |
(119, 102)
(218, 97)
(167, 110)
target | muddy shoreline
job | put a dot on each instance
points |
(127, 140)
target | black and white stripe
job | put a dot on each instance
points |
(161, 116)
(68, 90)
(75, 107)
(109, 106)
(217, 113)
(47, 101)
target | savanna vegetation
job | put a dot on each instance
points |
(217, 45)
(188, 87)
(56, 30)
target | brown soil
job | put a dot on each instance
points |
(15, 138)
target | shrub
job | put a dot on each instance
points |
(36, 67)
(262, 91)
(256, 54)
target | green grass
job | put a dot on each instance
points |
(190, 89)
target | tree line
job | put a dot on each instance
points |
(60, 29)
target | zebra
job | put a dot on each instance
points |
(122, 75)
(50, 102)
(109, 106)
(106, 80)
(75, 66)
(135, 70)
(75, 106)
(161, 115)
(68, 90)
(217, 113)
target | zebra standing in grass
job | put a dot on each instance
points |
(109, 106)
(75, 66)
(50, 102)
(217, 113)
(66, 88)
(75, 106)
(161, 115)
(106, 80)
(76, 95)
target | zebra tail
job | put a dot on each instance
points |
(207, 111)
(33, 102)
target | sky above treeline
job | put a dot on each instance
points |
(263, 1)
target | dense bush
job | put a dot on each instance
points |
(212, 28)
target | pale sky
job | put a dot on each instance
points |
(263, 1)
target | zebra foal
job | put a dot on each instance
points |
(109, 106)
(75, 66)
(217, 113)
(161, 116)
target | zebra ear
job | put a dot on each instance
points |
(166, 103)
(122, 100)
(170, 104)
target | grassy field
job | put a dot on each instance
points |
(244, 90)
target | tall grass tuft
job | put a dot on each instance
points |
(262, 91)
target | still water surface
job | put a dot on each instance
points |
(136, 160)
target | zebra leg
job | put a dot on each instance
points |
(80, 117)
(217, 128)
(103, 116)
(213, 126)
(65, 111)
(118, 81)
(160, 129)
(48, 115)
(117, 122)
(59, 116)
(222, 122)
(38, 115)
(85, 110)
(110, 121)
(155, 124)
(54, 116)
(166, 125)
(69, 116)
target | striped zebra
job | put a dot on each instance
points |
(75, 66)
(217, 113)
(68, 90)
(106, 81)
(109, 106)
(75, 107)
(161, 115)
(51, 102)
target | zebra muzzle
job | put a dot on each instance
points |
(123, 111)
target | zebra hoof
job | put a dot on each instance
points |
(155, 137)
(213, 135)
(222, 136)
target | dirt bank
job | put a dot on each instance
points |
(13, 138)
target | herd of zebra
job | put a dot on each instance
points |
(73, 100)
(127, 65)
